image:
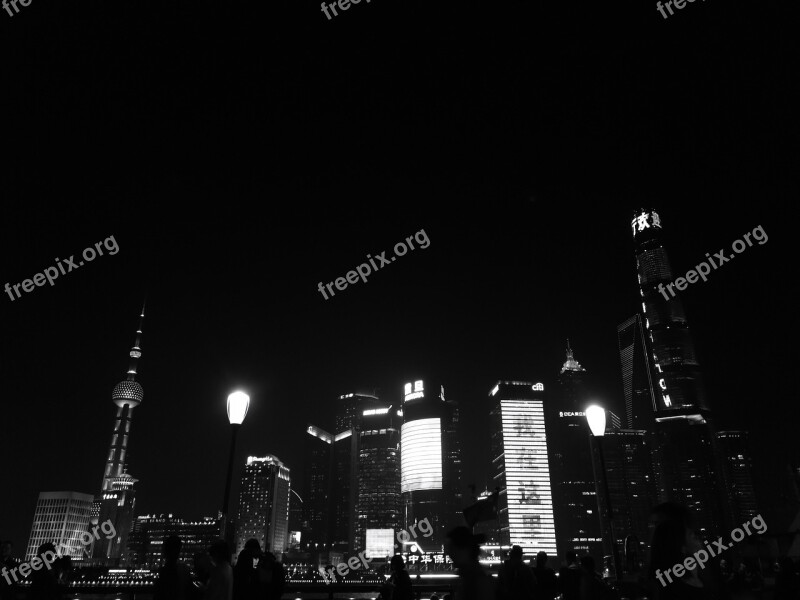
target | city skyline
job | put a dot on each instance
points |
(472, 472)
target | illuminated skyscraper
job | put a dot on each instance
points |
(520, 459)
(637, 374)
(574, 501)
(149, 532)
(430, 461)
(62, 518)
(378, 502)
(264, 505)
(116, 502)
(684, 457)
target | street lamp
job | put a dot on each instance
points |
(596, 417)
(238, 403)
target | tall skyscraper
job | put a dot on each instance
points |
(628, 461)
(520, 459)
(264, 504)
(61, 518)
(146, 542)
(378, 502)
(637, 374)
(737, 475)
(683, 441)
(318, 470)
(117, 501)
(430, 465)
(574, 502)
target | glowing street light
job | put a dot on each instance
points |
(596, 417)
(238, 403)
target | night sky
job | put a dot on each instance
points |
(239, 155)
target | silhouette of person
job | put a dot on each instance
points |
(674, 541)
(516, 580)
(44, 581)
(173, 578)
(400, 581)
(787, 582)
(275, 577)
(220, 581)
(569, 577)
(464, 550)
(545, 577)
(7, 562)
(248, 580)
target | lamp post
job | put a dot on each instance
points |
(238, 403)
(596, 417)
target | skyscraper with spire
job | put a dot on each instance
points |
(574, 496)
(116, 500)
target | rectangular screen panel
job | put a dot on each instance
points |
(421, 455)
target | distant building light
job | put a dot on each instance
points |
(494, 390)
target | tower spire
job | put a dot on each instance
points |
(136, 351)
(571, 364)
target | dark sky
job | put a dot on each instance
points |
(240, 154)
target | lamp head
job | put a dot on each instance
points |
(596, 416)
(238, 403)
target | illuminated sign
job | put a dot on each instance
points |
(571, 414)
(527, 474)
(380, 542)
(421, 455)
(662, 384)
(537, 387)
(376, 411)
(645, 220)
(494, 390)
(418, 392)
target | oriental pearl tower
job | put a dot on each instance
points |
(116, 500)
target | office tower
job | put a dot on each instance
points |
(344, 490)
(637, 374)
(378, 501)
(577, 520)
(430, 462)
(628, 461)
(318, 451)
(520, 458)
(350, 410)
(146, 542)
(264, 504)
(62, 518)
(683, 451)
(116, 501)
(737, 475)
(674, 358)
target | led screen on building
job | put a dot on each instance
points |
(421, 455)
(380, 543)
(530, 502)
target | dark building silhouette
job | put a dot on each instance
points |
(737, 475)
(318, 470)
(575, 510)
(116, 501)
(632, 486)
